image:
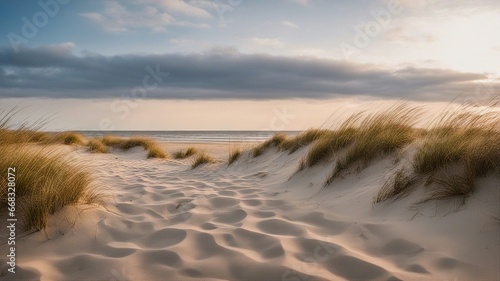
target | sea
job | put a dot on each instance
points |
(195, 136)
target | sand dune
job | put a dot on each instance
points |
(258, 220)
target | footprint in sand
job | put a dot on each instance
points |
(402, 247)
(231, 217)
(267, 246)
(208, 226)
(264, 214)
(252, 202)
(223, 202)
(227, 193)
(248, 191)
(279, 227)
(162, 257)
(352, 268)
(164, 238)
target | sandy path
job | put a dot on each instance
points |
(249, 221)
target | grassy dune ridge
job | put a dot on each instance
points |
(190, 151)
(152, 147)
(234, 154)
(451, 152)
(202, 158)
(46, 180)
(447, 156)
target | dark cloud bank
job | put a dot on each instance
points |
(56, 72)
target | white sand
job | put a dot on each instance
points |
(256, 220)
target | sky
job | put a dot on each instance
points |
(239, 64)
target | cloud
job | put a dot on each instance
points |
(404, 34)
(181, 7)
(315, 52)
(434, 5)
(117, 18)
(302, 2)
(222, 73)
(289, 24)
(268, 42)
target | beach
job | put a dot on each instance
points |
(256, 219)
(232, 140)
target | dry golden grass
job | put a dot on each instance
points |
(469, 138)
(458, 148)
(67, 138)
(202, 158)
(190, 151)
(464, 141)
(328, 144)
(234, 154)
(30, 134)
(129, 143)
(378, 134)
(21, 136)
(111, 140)
(45, 180)
(450, 155)
(97, 146)
(154, 149)
(401, 184)
(274, 141)
(332, 141)
(303, 139)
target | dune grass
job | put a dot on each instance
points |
(202, 158)
(450, 154)
(303, 139)
(290, 144)
(402, 182)
(21, 136)
(332, 141)
(190, 151)
(153, 148)
(274, 141)
(129, 143)
(459, 147)
(46, 180)
(328, 144)
(156, 151)
(473, 140)
(97, 146)
(110, 140)
(234, 154)
(378, 134)
(67, 138)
